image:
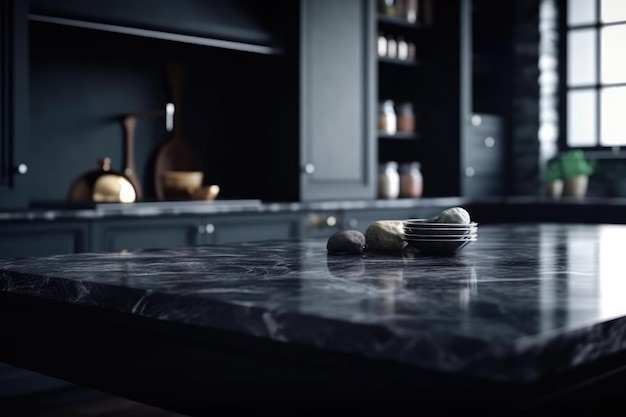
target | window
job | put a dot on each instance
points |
(594, 74)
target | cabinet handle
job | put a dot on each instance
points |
(470, 171)
(476, 120)
(169, 117)
(21, 169)
(206, 228)
(317, 222)
(331, 221)
(309, 168)
(490, 142)
(353, 223)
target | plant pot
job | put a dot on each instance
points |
(555, 188)
(576, 186)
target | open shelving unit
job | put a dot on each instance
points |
(402, 81)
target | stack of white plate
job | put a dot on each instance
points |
(439, 238)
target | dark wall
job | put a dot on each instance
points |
(524, 170)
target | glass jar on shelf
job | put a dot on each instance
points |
(411, 10)
(382, 45)
(392, 47)
(410, 55)
(403, 49)
(387, 119)
(388, 180)
(411, 180)
(387, 7)
(406, 118)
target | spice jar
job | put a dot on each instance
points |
(403, 49)
(410, 56)
(382, 45)
(388, 180)
(406, 118)
(411, 181)
(392, 47)
(410, 10)
(387, 119)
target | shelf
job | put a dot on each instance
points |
(399, 136)
(155, 34)
(396, 61)
(397, 21)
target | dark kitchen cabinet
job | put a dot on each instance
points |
(337, 100)
(43, 238)
(13, 103)
(171, 232)
(483, 150)
(362, 219)
(129, 234)
(248, 228)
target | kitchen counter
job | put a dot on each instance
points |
(60, 211)
(521, 318)
(486, 209)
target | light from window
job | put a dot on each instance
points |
(581, 57)
(612, 10)
(595, 84)
(581, 12)
(613, 54)
(581, 117)
(613, 120)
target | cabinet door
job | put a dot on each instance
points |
(129, 234)
(483, 150)
(42, 239)
(13, 102)
(337, 100)
(252, 228)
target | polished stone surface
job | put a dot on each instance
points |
(521, 302)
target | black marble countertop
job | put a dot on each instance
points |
(520, 303)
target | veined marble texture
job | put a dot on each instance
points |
(521, 302)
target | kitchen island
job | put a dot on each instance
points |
(528, 316)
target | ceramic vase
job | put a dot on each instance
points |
(555, 188)
(576, 186)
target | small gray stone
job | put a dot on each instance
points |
(452, 215)
(346, 241)
(385, 235)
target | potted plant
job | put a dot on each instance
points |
(576, 170)
(554, 178)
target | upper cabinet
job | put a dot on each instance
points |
(337, 97)
(13, 103)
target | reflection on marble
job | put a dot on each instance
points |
(520, 302)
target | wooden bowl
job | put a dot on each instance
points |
(181, 184)
(207, 193)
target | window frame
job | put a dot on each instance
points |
(597, 150)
